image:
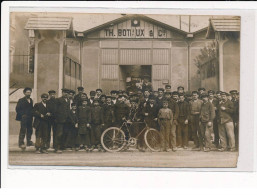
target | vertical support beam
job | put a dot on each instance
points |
(35, 70)
(221, 65)
(119, 69)
(61, 75)
(189, 64)
(99, 63)
(81, 60)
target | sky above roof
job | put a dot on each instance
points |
(84, 21)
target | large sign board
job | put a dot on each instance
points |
(135, 28)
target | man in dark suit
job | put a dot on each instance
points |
(108, 110)
(77, 98)
(114, 96)
(24, 115)
(41, 123)
(61, 116)
(52, 125)
(235, 100)
(225, 124)
(160, 97)
(215, 103)
(150, 112)
(91, 99)
(182, 128)
(121, 111)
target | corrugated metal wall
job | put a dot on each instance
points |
(110, 72)
(161, 56)
(110, 56)
(135, 56)
(160, 73)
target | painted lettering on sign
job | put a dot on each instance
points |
(133, 33)
(135, 29)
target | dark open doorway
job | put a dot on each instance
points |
(135, 73)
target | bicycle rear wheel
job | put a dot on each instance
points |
(153, 140)
(113, 139)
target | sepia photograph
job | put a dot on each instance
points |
(124, 90)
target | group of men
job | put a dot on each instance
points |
(77, 121)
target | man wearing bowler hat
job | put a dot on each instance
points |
(61, 116)
(52, 125)
(24, 115)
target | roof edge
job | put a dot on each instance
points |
(121, 19)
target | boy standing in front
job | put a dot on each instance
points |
(84, 120)
(165, 118)
(97, 120)
(72, 122)
(207, 114)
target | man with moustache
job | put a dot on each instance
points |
(61, 117)
(52, 125)
(24, 115)
(41, 113)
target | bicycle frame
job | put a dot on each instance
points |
(125, 124)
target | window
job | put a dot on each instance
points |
(72, 74)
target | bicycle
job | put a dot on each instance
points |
(113, 139)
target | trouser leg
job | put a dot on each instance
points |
(231, 135)
(54, 134)
(185, 135)
(195, 129)
(162, 134)
(207, 136)
(222, 135)
(236, 127)
(37, 144)
(172, 135)
(216, 132)
(59, 135)
(29, 129)
(179, 134)
(98, 133)
(23, 129)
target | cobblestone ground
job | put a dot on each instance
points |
(130, 158)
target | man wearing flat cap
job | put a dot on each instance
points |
(121, 111)
(225, 122)
(51, 102)
(41, 113)
(99, 92)
(167, 88)
(61, 116)
(207, 114)
(147, 85)
(195, 109)
(180, 90)
(201, 90)
(24, 115)
(215, 103)
(77, 98)
(235, 100)
(91, 99)
(160, 97)
(71, 96)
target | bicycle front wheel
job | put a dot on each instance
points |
(153, 140)
(113, 139)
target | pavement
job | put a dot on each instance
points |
(130, 158)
